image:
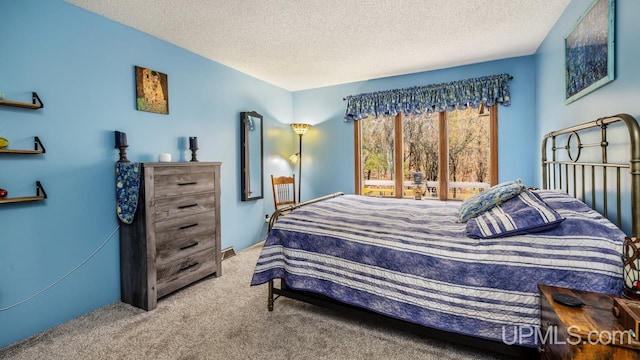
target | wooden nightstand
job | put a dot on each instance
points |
(587, 332)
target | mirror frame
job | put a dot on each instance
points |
(245, 157)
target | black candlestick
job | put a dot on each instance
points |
(121, 143)
(193, 146)
(193, 142)
(123, 154)
(121, 139)
(193, 154)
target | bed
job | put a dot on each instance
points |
(413, 264)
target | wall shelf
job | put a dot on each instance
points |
(40, 195)
(35, 104)
(38, 148)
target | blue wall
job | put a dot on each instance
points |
(82, 66)
(620, 96)
(329, 146)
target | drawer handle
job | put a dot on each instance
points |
(189, 246)
(183, 268)
(187, 183)
(187, 206)
(188, 226)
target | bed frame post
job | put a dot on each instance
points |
(634, 164)
(270, 296)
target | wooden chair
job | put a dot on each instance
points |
(284, 190)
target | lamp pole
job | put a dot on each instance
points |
(300, 168)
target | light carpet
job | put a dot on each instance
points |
(225, 318)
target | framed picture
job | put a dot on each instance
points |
(589, 51)
(152, 91)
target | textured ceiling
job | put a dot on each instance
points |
(303, 44)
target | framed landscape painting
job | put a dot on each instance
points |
(589, 51)
(152, 91)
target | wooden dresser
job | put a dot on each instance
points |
(587, 332)
(174, 239)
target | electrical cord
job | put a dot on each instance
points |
(65, 275)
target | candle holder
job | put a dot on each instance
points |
(121, 143)
(123, 154)
(193, 146)
(194, 156)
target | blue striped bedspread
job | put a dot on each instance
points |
(412, 261)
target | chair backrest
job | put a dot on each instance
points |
(284, 190)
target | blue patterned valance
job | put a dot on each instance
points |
(486, 90)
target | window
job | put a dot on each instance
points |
(455, 151)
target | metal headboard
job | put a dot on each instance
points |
(565, 174)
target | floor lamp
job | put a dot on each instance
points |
(300, 129)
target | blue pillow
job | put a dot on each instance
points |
(523, 214)
(479, 203)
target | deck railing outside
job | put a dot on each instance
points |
(457, 189)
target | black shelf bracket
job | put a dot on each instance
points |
(40, 190)
(38, 144)
(35, 99)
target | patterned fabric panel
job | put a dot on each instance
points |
(489, 198)
(412, 260)
(522, 214)
(127, 189)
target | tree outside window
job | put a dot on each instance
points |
(455, 151)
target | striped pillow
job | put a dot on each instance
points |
(523, 214)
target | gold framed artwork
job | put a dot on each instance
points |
(152, 91)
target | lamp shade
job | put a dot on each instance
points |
(300, 128)
(631, 267)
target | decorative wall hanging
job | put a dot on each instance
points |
(589, 51)
(152, 91)
(127, 190)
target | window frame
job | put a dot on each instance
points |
(443, 150)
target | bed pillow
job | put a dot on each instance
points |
(479, 203)
(522, 214)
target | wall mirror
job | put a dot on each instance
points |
(251, 156)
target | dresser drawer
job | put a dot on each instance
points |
(172, 181)
(177, 207)
(184, 235)
(177, 274)
(168, 251)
